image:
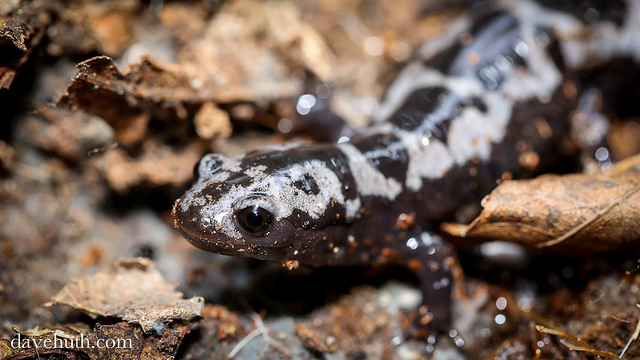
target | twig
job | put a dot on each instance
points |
(270, 340)
(633, 338)
(236, 349)
(624, 165)
(260, 329)
(590, 350)
(581, 345)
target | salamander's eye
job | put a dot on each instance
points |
(254, 219)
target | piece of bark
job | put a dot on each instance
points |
(578, 212)
(135, 292)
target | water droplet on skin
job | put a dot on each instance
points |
(521, 49)
(591, 15)
(305, 103)
(323, 91)
(543, 39)
(602, 154)
(458, 341)
(395, 341)
(503, 63)
(490, 77)
(427, 239)
(285, 125)
(412, 243)
(442, 283)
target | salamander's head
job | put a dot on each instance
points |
(264, 206)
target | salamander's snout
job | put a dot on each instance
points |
(203, 229)
(187, 222)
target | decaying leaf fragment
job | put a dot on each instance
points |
(101, 89)
(16, 31)
(158, 164)
(590, 213)
(19, 35)
(134, 291)
(71, 135)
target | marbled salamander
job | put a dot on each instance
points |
(490, 97)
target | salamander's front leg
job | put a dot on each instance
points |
(431, 259)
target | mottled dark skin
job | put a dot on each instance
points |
(383, 230)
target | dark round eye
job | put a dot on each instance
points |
(254, 219)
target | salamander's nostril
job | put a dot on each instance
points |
(185, 219)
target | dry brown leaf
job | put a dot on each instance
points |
(579, 212)
(100, 88)
(133, 291)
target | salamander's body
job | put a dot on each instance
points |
(491, 98)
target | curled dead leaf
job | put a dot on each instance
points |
(581, 212)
